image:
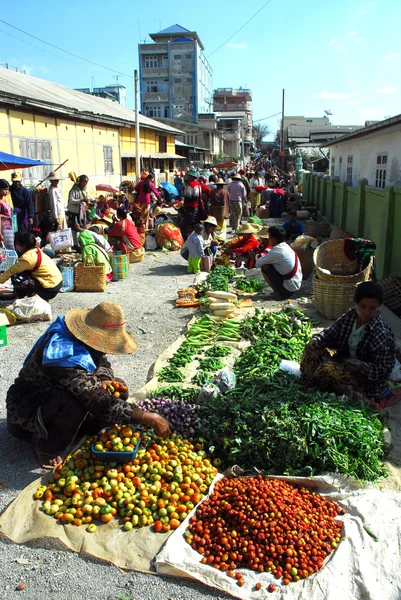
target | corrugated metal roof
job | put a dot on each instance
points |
(173, 29)
(23, 91)
(378, 126)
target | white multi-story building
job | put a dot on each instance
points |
(175, 76)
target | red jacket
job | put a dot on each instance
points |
(125, 229)
(145, 197)
(242, 247)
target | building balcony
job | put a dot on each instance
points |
(231, 135)
(155, 72)
(155, 96)
(229, 107)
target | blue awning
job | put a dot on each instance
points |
(10, 161)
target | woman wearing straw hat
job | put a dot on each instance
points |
(56, 202)
(240, 247)
(62, 387)
(219, 199)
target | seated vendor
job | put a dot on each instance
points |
(34, 272)
(240, 247)
(280, 267)
(293, 227)
(261, 250)
(62, 387)
(364, 350)
(123, 235)
(208, 234)
(89, 247)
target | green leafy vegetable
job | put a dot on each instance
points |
(250, 285)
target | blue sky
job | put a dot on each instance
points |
(343, 55)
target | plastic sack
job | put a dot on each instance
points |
(169, 236)
(208, 391)
(291, 367)
(303, 242)
(225, 380)
(150, 243)
(31, 309)
(396, 372)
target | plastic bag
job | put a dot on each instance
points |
(150, 243)
(396, 372)
(30, 309)
(169, 236)
(291, 367)
(208, 391)
(225, 380)
(303, 242)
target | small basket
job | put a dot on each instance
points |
(137, 256)
(392, 294)
(119, 264)
(317, 229)
(333, 299)
(90, 277)
(330, 255)
(61, 240)
(118, 457)
(8, 258)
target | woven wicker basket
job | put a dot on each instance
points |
(317, 229)
(119, 264)
(339, 234)
(136, 255)
(330, 255)
(333, 299)
(306, 260)
(90, 277)
(392, 293)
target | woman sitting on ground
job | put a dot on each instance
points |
(89, 247)
(293, 227)
(61, 391)
(34, 272)
(364, 351)
(280, 267)
(240, 247)
(124, 236)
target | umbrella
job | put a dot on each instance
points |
(10, 161)
(104, 187)
(170, 188)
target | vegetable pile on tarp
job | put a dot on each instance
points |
(249, 285)
(264, 525)
(159, 487)
(218, 278)
(182, 416)
(271, 421)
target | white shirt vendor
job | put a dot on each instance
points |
(56, 202)
(282, 258)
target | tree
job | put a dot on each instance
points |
(260, 131)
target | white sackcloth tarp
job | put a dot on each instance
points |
(360, 569)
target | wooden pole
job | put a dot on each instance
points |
(55, 170)
(137, 130)
(282, 135)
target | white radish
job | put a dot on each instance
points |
(222, 295)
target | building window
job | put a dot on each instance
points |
(177, 80)
(349, 168)
(381, 170)
(108, 160)
(153, 111)
(37, 150)
(162, 143)
(309, 120)
(151, 62)
(189, 80)
(152, 86)
(177, 56)
(188, 56)
(166, 112)
(332, 167)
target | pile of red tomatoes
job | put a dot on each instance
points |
(266, 525)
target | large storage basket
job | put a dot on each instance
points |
(339, 234)
(8, 258)
(392, 293)
(119, 264)
(332, 299)
(330, 255)
(90, 277)
(306, 260)
(317, 229)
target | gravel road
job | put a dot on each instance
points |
(148, 298)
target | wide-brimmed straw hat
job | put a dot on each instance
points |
(101, 328)
(16, 176)
(236, 176)
(102, 220)
(211, 221)
(248, 228)
(55, 177)
(264, 232)
(220, 181)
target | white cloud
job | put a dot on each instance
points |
(355, 102)
(392, 55)
(386, 90)
(359, 40)
(334, 95)
(333, 42)
(370, 114)
(353, 33)
(367, 7)
(241, 46)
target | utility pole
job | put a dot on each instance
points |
(282, 136)
(137, 130)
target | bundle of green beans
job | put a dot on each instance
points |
(183, 356)
(170, 374)
(211, 364)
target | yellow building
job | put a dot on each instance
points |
(52, 123)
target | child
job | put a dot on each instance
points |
(195, 245)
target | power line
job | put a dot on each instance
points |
(270, 117)
(238, 30)
(66, 51)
